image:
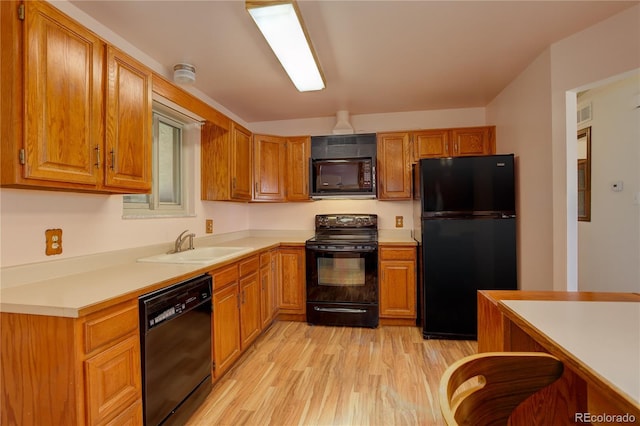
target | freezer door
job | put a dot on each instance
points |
(466, 185)
(461, 256)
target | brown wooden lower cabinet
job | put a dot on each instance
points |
(397, 284)
(113, 380)
(71, 371)
(268, 281)
(292, 279)
(243, 306)
(250, 322)
(226, 319)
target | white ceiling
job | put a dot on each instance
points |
(377, 56)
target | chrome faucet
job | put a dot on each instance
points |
(180, 242)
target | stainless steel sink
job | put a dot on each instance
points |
(198, 256)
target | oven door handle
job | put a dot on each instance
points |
(340, 310)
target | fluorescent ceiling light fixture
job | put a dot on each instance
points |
(283, 28)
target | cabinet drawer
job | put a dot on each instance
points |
(397, 253)
(105, 327)
(225, 277)
(265, 259)
(249, 266)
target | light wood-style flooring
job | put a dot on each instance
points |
(297, 374)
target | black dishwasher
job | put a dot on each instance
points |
(175, 343)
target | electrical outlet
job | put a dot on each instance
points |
(209, 226)
(53, 241)
(399, 221)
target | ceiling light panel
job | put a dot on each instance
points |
(283, 28)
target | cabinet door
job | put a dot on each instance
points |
(473, 141)
(291, 291)
(269, 168)
(397, 289)
(113, 380)
(63, 99)
(226, 328)
(266, 290)
(275, 280)
(394, 166)
(128, 124)
(431, 144)
(215, 161)
(298, 154)
(250, 322)
(241, 163)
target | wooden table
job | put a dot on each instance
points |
(595, 335)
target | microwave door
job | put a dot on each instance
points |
(335, 177)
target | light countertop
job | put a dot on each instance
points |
(603, 336)
(77, 286)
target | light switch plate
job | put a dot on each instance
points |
(617, 186)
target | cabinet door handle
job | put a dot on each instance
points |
(97, 149)
(233, 183)
(256, 186)
(113, 159)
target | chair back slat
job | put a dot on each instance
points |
(506, 380)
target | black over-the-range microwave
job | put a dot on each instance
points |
(343, 166)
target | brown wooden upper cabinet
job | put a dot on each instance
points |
(269, 154)
(226, 163)
(298, 154)
(241, 162)
(395, 155)
(394, 166)
(457, 142)
(63, 143)
(128, 144)
(281, 168)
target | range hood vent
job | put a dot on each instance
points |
(342, 127)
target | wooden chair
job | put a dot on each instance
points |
(505, 379)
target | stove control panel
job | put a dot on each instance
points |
(328, 221)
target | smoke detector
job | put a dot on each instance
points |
(342, 127)
(184, 73)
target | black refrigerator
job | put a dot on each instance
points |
(468, 239)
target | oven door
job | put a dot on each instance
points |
(342, 285)
(342, 274)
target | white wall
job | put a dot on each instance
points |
(464, 117)
(609, 245)
(518, 113)
(607, 49)
(301, 215)
(535, 115)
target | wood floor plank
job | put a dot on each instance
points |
(297, 374)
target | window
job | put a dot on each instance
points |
(170, 193)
